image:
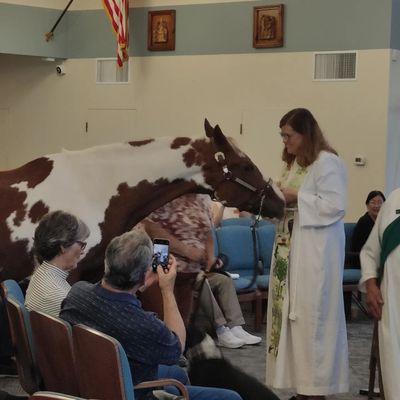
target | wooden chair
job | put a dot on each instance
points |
(21, 337)
(103, 370)
(52, 396)
(54, 353)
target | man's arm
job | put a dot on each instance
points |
(370, 259)
(172, 317)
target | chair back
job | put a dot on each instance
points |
(21, 336)
(52, 396)
(237, 222)
(54, 353)
(352, 258)
(348, 231)
(236, 242)
(102, 367)
(12, 289)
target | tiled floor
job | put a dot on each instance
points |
(252, 360)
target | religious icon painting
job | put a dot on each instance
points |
(268, 26)
(161, 30)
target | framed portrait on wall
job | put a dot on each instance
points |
(268, 26)
(161, 30)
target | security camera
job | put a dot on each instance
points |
(60, 69)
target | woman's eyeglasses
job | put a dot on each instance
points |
(82, 244)
(376, 203)
(285, 136)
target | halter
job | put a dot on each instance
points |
(229, 176)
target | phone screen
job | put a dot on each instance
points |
(160, 253)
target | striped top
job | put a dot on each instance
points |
(47, 289)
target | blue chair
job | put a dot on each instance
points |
(351, 274)
(236, 242)
(12, 289)
(264, 222)
(237, 222)
(352, 259)
(103, 370)
(243, 222)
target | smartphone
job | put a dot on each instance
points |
(160, 253)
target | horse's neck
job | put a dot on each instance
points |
(179, 169)
(153, 160)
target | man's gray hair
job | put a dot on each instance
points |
(127, 259)
(56, 229)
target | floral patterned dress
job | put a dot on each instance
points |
(291, 178)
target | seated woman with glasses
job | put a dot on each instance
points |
(59, 244)
(365, 224)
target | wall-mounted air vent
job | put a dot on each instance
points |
(335, 65)
(107, 71)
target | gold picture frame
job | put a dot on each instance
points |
(161, 30)
(268, 26)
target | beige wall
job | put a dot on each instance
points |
(96, 4)
(41, 112)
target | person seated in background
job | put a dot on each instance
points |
(59, 243)
(187, 223)
(221, 212)
(365, 224)
(112, 307)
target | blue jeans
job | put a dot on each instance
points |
(195, 392)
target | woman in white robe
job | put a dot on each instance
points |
(306, 328)
(384, 301)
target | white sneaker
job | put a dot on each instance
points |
(240, 333)
(227, 339)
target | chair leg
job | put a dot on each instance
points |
(347, 304)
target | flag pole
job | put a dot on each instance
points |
(49, 35)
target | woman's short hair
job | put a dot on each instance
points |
(373, 194)
(127, 259)
(56, 229)
(303, 122)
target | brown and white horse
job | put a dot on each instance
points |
(113, 187)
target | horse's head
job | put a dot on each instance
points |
(236, 181)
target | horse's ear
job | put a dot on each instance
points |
(219, 138)
(215, 134)
(208, 128)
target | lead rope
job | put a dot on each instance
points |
(257, 266)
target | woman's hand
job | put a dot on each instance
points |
(289, 194)
(374, 299)
(214, 265)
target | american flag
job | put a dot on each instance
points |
(118, 11)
